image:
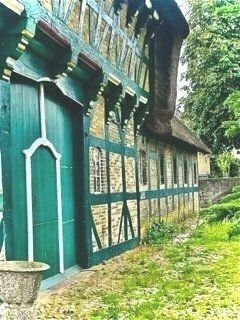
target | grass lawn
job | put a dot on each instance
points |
(195, 279)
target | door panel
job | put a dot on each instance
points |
(45, 218)
(63, 120)
(62, 130)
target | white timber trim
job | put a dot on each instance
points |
(13, 5)
(28, 155)
(148, 4)
(82, 15)
(42, 112)
(29, 207)
(143, 100)
(59, 211)
(115, 80)
(43, 141)
(2, 248)
(130, 91)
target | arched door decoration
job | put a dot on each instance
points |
(43, 141)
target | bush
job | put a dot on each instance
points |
(158, 232)
(221, 212)
(235, 168)
(230, 197)
(234, 231)
(228, 208)
(236, 189)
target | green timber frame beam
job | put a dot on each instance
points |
(14, 35)
(114, 250)
(128, 107)
(121, 196)
(140, 114)
(35, 13)
(113, 97)
(6, 164)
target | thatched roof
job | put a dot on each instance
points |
(181, 132)
(164, 58)
(181, 136)
(170, 12)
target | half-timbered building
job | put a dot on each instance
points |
(90, 147)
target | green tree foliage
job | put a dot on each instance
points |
(224, 161)
(230, 197)
(233, 126)
(212, 54)
(235, 168)
(234, 171)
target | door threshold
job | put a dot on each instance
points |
(54, 280)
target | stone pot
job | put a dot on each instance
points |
(19, 284)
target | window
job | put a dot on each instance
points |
(185, 171)
(143, 167)
(162, 169)
(194, 173)
(175, 170)
(97, 170)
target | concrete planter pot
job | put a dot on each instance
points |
(19, 284)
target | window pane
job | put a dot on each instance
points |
(97, 170)
(143, 167)
(194, 173)
(162, 169)
(175, 179)
(185, 171)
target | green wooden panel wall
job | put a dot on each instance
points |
(24, 129)
(63, 127)
(45, 219)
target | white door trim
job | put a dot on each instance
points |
(43, 141)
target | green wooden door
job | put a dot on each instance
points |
(44, 206)
(63, 121)
(63, 126)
